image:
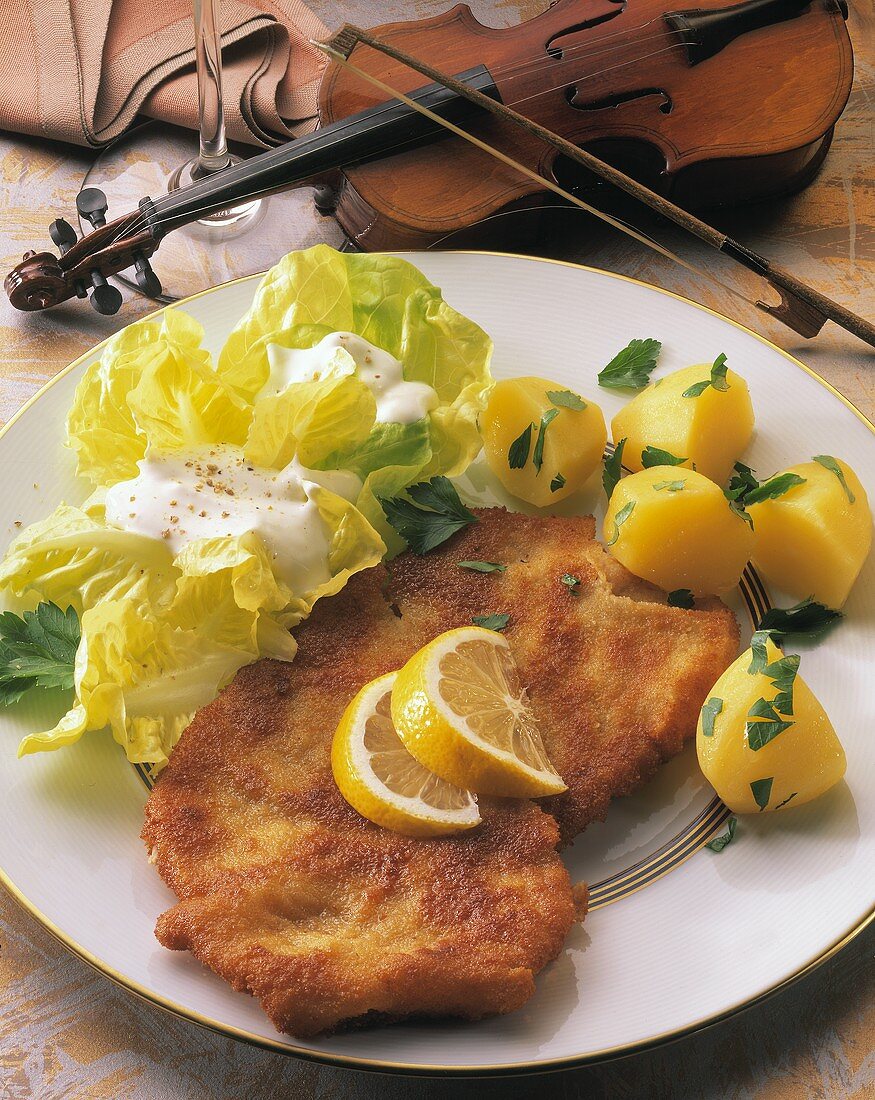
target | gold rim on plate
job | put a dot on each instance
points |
(423, 1069)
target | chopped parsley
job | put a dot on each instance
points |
(766, 728)
(557, 483)
(717, 380)
(681, 597)
(671, 486)
(761, 789)
(720, 842)
(482, 566)
(709, 712)
(758, 652)
(829, 463)
(807, 618)
(773, 488)
(518, 453)
(571, 582)
(538, 454)
(491, 622)
(431, 517)
(613, 470)
(566, 399)
(766, 718)
(741, 482)
(37, 649)
(655, 456)
(789, 798)
(631, 367)
(619, 519)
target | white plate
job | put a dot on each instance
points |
(679, 936)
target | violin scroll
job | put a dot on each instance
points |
(43, 279)
(36, 283)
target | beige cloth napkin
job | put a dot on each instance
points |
(82, 70)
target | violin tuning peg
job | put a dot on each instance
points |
(146, 278)
(105, 298)
(91, 204)
(63, 234)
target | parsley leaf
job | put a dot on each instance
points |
(738, 510)
(619, 519)
(766, 729)
(758, 652)
(37, 649)
(681, 597)
(808, 618)
(440, 515)
(829, 463)
(709, 712)
(571, 582)
(538, 454)
(631, 367)
(613, 470)
(671, 486)
(761, 789)
(655, 456)
(491, 622)
(557, 483)
(720, 842)
(773, 488)
(717, 379)
(741, 482)
(482, 566)
(518, 453)
(770, 713)
(566, 399)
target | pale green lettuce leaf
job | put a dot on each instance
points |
(102, 427)
(180, 402)
(72, 558)
(392, 304)
(141, 676)
(309, 420)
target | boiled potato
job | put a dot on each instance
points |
(813, 540)
(748, 767)
(675, 528)
(709, 431)
(573, 438)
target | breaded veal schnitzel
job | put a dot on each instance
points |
(288, 894)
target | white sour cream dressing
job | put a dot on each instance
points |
(398, 401)
(184, 496)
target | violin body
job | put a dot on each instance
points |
(707, 106)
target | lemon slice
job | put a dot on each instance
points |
(378, 777)
(460, 710)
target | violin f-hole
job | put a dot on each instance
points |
(617, 8)
(609, 101)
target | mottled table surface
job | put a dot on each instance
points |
(66, 1031)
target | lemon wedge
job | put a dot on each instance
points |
(378, 777)
(459, 708)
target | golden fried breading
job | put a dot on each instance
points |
(616, 677)
(287, 893)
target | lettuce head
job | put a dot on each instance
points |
(332, 421)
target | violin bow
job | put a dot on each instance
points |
(801, 307)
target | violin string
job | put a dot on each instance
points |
(142, 221)
(584, 49)
(579, 53)
(590, 76)
(159, 204)
(545, 182)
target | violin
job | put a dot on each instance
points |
(697, 107)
